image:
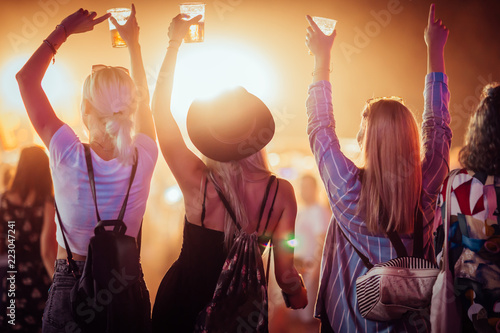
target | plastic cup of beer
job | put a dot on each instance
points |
(121, 15)
(326, 25)
(196, 31)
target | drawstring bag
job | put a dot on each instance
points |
(389, 290)
(110, 294)
(240, 302)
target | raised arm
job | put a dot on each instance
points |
(435, 37)
(29, 78)
(130, 34)
(321, 46)
(339, 174)
(436, 130)
(286, 275)
(183, 163)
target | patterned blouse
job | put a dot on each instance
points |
(475, 247)
(31, 279)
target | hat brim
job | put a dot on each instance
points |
(230, 127)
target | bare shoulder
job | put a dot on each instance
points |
(285, 187)
(286, 194)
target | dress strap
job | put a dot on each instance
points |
(203, 209)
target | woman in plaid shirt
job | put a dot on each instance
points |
(386, 189)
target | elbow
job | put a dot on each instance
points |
(21, 77)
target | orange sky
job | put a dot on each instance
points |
(375, 54)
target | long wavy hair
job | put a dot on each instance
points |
(391, 176)
(33, 175)
(112, 94)
(230, 178)
(481, 152)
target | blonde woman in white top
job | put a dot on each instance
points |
(114, 106)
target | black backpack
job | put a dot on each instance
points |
(240, 302)
(110, 294)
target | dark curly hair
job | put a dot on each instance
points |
(481, 152)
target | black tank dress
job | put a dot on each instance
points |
(189, 284)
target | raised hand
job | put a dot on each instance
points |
(82, 21)
(435, 36)
(179, 27)
(130, 30)
(436, 33)
(318, 43)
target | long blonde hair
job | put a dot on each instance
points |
(391, 179)
(112, 94)
(229, 177)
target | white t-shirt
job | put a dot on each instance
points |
(72, 188)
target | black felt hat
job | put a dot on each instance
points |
(232, 126)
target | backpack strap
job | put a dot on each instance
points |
(90, 173)
(272, 206)
(227, 205)
(269, 245)
(73, 267)
(364, 259)
(90, 169)
(397, 243)
(418, 238)
(264, 200)
(418, 234)
(203, 209)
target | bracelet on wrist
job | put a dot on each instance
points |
(321, 70)
(65, 31)
(52, 48)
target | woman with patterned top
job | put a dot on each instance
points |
(475, 219)
(29, 204)
(383, 194)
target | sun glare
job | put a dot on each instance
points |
(57, 84)
(206, 69)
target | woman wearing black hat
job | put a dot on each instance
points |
(231, 132)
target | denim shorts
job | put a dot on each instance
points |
(57, 315)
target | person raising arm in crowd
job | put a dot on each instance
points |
(384, 193)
